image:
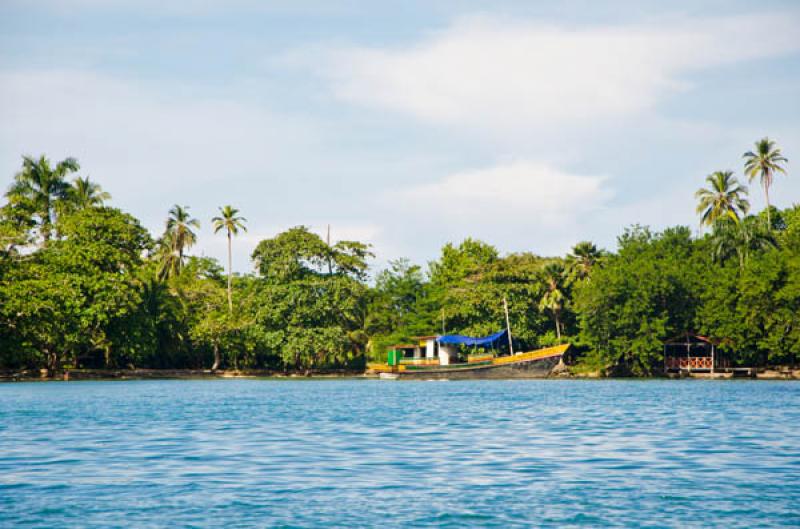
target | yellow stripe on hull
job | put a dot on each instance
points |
(532, 355)
(385, 368)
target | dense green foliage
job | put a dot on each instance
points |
(84, 284)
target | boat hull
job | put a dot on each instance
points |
(532, 369)
(531, 365)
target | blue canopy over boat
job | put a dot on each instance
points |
(485, 341)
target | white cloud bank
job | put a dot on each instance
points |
(484, 71)
(554, 89)
(521, 189)
(517, 205)
(549, 95)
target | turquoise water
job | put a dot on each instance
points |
(357, 453)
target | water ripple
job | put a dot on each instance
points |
(355, 453)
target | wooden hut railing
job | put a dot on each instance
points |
(691, 362)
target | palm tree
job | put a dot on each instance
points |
(178, 237)
(87, 194)
(553, 298)
(725, 197)
(39, 188)
(740, 239)
(583, 258)
(764, 162)
(170, 263)
(231, 224)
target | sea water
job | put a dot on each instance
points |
(366, 453)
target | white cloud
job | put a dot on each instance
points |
(497, 73)
(518, 205)
(520, 189)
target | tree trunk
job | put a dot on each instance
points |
(558, 327)
(47, 221)
(216, 357)
(766, 194)
(230, 261)
(52, 363)
(328, 242)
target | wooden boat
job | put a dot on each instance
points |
(532, 364)
(440, 357)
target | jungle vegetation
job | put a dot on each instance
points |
(83, 284)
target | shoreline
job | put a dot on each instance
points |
(9, 376)
(70, 375)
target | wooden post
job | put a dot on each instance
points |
(508, 327)
(688, 354)
(713, 359)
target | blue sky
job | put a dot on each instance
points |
(532, 125)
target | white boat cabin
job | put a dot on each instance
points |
(427, 350)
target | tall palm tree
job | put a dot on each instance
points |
(553, 298)
(87, 194)
(764, 162)
(178, 237)
(39, 187)
(231, 223)
(583, 258)
(725, 197)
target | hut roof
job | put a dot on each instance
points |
(691, 337)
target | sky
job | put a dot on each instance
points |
(531, 125)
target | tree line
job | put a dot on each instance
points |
(83, 284)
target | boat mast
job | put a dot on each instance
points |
(508, 326)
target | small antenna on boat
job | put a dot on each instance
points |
(508, 327)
